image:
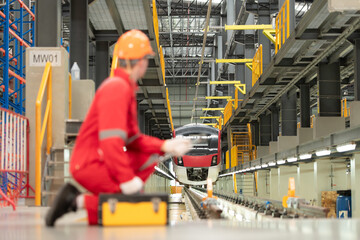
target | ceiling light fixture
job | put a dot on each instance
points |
(346, 147)
(305, 156)
(323, 152)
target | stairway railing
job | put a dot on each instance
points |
(46, 83)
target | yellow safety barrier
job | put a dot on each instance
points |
(235, 184)
(235, 60)
(312, 121)
(298, 125)
(70, 96)
(257, 65)
(212, 117)
(169, 109)
(228, 111)
(248, 27)
(218, 97)
(234, 156)
(46, 82)
(227, 162)
(282, 26)
(345, 110)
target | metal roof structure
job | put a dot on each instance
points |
(181, 34)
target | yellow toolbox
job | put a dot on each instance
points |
(139, 209)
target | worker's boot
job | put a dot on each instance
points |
(64, 202)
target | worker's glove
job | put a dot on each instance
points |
(132, 186)
(176, 146)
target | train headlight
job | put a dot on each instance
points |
(180, 161)
(214, 161)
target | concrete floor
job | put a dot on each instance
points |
(28, 223)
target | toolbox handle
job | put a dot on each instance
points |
(112, 204)
(156, 202)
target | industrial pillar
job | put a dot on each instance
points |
(219, 51)
(229, 140)
(357, 70)
(264, 18)
(249, 51)
(329, 90)
(284, 173)
(274, 122)
(274, 184)
(322, 181)
(141, 120)
(48, 23)
(288, 114)
(255, 133)
(230, 17)
(265, 130)
(79, 38)
(355, 187)
(305, 110)
(306, 182)
(102, 62)
(240, 68)
(263, 183)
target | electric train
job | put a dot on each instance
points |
(203, 160)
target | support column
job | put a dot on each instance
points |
(305, 105)
(284, 173)
(265, 130)
(256, 133)
(230, 17)
(329, 90)
(79, 39)
(219, 51)
(355, 186)
(306, 182)
(322, 181)
(249, 51)
(357, 70)
(274, 184)
(141, 120)
(274, 123)
(263, 182)
(240, 68)
(264, 18)
(102, 62)
(288, 114)
(48, 23)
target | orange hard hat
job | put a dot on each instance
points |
(133, 44)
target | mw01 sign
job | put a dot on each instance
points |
(40, 58)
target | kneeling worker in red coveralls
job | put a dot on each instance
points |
(100, 162)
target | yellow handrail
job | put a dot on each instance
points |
(70, 96)
(169, 109)
(228, 111)
(156, 23)
(312, 121)
(282, 26)
(257, 65)
(46, 82)
(345, 111)
(162, 62)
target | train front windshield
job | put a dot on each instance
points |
(203, 144)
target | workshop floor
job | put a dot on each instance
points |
(28, 223)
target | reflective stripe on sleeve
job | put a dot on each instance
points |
(154, 158)
(111, 133)
(133, 138)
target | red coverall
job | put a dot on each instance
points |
(99, 162)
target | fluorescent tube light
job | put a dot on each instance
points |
(292, 159)
(279, 162)
(258, 167)
(247, 169)
(346, 147)
(271, 164)
(305, 156)
(323, 152)
(252, 168)
(265, 165)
